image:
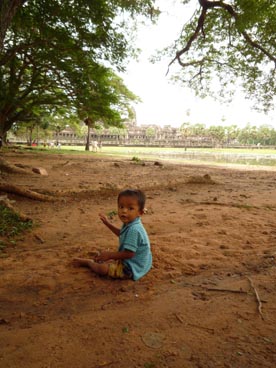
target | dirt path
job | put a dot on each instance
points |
(213, 236)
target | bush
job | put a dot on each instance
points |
(135, 159)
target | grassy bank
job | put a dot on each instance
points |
(216, 156)
(128, 150)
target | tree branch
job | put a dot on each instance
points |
(193, 37)
(206, 5)
(8, 8)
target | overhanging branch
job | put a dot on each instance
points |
(206, 5)
(193, 37)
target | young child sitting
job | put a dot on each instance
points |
(133, 258)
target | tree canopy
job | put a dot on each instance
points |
(62, 55)
(227, 43)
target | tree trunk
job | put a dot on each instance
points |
(29, 136)
(5, 125)
(8, 8)
(87, 146)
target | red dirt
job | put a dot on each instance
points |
(214, 248)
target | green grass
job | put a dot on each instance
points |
(10, 223)
(213, 156)
(11, 226)
(129, 150)
(170, 150)
(112, 214)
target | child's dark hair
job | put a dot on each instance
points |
(135, 193)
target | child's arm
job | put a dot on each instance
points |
(113, 228)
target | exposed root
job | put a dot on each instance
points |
(10, 168)
(10, 188)
(257, 297)
(4, 201)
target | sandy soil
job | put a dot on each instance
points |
(209, 301)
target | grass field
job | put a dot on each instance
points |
(196, 155)
(125, 150)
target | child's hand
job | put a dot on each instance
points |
(103, 218)
(102, 257)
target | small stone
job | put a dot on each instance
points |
(40, 171)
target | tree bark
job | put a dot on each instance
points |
(87, 146)
(7, 167)
(10, 188)
(8, 8)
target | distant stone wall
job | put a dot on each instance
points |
(135, 136)
(138, 137)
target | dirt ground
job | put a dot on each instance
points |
(209, 300)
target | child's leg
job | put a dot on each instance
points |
(99, 268)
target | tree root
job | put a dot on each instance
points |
(4, 201)
(10, 168)
(10, 188)
(257, 297)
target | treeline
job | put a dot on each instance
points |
(264, 135)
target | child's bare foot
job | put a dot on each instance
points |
(82, 262)
(94, 253)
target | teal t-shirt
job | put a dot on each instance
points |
(134, 237)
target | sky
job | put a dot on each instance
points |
(164, 103)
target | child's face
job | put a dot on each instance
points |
(128, 209)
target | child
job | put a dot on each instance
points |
(133, 258)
